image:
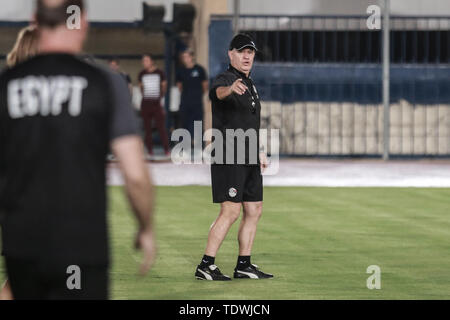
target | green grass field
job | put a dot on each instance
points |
(317, 241)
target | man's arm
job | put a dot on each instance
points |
(237, 87)
(128, 149)
(205, 86)
(263, 158)
(204, 79)
(138, 185)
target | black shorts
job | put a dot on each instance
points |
(236, 183)
(39, 281)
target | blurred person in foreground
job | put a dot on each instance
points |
(26, 46)
(153, 84)
(58, 118)
(236, 184)
(192, 82)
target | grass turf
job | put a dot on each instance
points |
(318, 242)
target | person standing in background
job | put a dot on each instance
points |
(153, 84)
(114, 64)
(193, 84)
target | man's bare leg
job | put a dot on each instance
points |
(246, 236)
(207, 270)
(229, 213)
(247, 228)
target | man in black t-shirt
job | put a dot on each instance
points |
(193, 84)
(58, 118)
(236, 177)
(114, 64)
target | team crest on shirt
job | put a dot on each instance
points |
(195, 74)
(232, 192)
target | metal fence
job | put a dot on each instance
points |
(347, 39)
(320, 79)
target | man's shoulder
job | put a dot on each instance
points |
(100, 73)
(70, 62)
(99, 68)
(226, 73)
(225, 77)
(38, 65)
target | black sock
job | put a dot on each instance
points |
(207, 261)
(243, 262)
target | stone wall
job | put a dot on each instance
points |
(311, 128)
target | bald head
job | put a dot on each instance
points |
(62, 25)
(53, 13)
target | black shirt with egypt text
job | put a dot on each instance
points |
(58, 115)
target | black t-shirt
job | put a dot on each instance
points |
(192, 80)
(58, 116)
(126, 77)
(237, 112)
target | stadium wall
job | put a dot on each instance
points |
(311, 128)
(336, 109)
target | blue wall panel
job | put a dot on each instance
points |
(360, 83)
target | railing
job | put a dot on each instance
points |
(321, 85)
(347, 39)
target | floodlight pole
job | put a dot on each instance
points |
(386, 66)
(237, 13)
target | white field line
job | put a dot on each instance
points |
(314, 173)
